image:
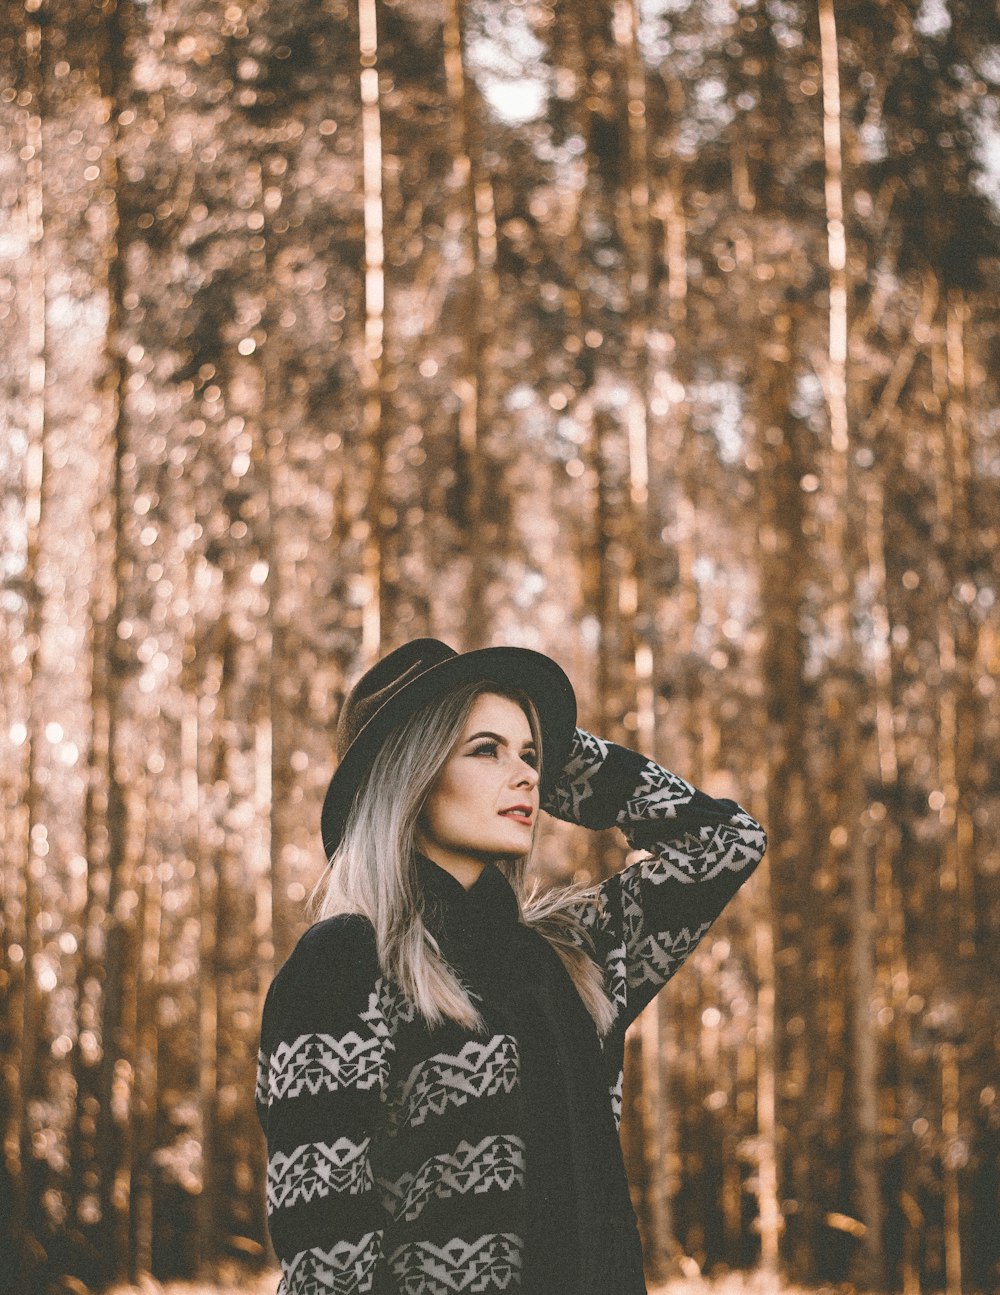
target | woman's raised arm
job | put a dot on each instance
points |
(646, 919)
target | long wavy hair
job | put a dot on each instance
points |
(373, 870)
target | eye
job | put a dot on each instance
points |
(531, 758)
(485, 748)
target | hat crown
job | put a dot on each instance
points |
(383, 681)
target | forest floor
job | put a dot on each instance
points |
(734, 1283)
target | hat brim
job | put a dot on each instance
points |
(545, 682)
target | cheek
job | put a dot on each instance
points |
(453, 796)
(441, 803)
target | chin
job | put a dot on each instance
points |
(495, 850)
(510, 852)
(487, 846)
(515, 849)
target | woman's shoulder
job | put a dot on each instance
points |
(338, 950)
(343, 930)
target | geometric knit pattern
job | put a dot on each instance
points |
(342, 1268)
(704, 853)
(659, 794)
(314, 1062)
(574, 787)
(478, 1070)
(656, 958)
(617, 1095)
(396, 1164)
(316, 1169)
(493, 1162)
(491, 1262)
(387, 1002)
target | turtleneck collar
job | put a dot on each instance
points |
(490, 901)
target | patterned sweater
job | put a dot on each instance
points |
(396, 1158)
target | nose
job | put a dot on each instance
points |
(524, 774)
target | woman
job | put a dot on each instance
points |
(441, 1056)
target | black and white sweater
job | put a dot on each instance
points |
(396, 1152)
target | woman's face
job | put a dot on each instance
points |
(484, 802)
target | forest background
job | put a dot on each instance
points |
(659, 335)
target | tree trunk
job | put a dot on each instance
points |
(480, 296)
(145, 1090)
(845, 693)
(950, 1096)
(373, 411)
(890, 887)
(956, 637)
(111, 958)
(24, 1073)
(206, 855)
(638, 601)
(783, 1006)
(959, 646)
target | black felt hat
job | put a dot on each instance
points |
(417, 672)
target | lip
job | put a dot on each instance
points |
(509, 813)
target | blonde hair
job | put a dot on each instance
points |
(373, 869)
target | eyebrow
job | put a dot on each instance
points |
(498, 738)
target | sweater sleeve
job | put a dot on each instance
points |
(322, 1072)
(647, 918)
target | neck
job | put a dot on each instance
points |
(464, 868)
